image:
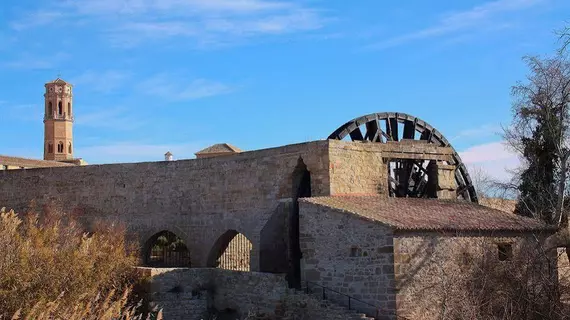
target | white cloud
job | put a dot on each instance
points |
(204, 23)
(478, 18)
(136, 152)
(485, 130)
(134, 7)
(104, 81)
(36, 19)
(23, 112)
(495, 159)
(29, 61)
(172, 88)
(117, 119)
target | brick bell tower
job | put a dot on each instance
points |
(58, 121)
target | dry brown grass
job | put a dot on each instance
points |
(51, 269)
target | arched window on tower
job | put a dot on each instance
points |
(50, 148)
(69, 109)
(60, 147)
(59, 108)
(69, 148)
(50, 110)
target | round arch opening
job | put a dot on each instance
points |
(166, 250)
(232, 251)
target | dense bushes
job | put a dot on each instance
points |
(51, 268)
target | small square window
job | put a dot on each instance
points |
(505, 251)
(355, 252)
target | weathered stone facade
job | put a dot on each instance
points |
(408, 266)
(185, 293)
(354, 250)
(199, 200)
(350, 255)
(433, 269)
(201, 293)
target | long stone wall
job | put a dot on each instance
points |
(199, 200)
(196, 294)
(184, 293)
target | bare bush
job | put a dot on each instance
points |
(472, 283)
(51, 265)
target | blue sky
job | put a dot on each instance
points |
(157, 75)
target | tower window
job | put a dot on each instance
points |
(60, 147)
(50, 110)
(69, 109)
(69, 148)
(59, 108)
(50, 148)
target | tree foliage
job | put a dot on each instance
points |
(540, 133)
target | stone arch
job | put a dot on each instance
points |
(59, 108)
(301, 188)
(231, 251)
(69, 109)
(49, 110)
(167, 250)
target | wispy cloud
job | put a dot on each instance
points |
(494, 158)
(116, 118)
(36, 19)
(174, 89)
(136, 152)
(29, 61)
(130, 7)
(485, 130)
(204, 23)
(28, 112)
(488, 16)
(104, 81)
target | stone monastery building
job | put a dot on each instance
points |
(370, 217)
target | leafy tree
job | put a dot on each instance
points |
(541, 135)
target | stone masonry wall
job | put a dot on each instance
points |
(188, 293)
(433, 269)
(357, 168)
(196, 294)
(199, 200)
(348, 254)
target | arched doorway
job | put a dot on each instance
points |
(301, 181)
(232, 251)
(166, 250)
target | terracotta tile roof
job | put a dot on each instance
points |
(31, 163)
(220, 148)
(429, 214)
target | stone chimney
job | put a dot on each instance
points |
(168, 156)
